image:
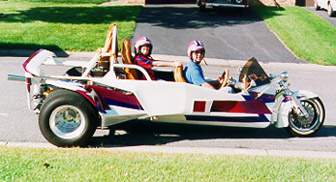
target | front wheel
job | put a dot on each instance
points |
(67, 119)
(302, 126)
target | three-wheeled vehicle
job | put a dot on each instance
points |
(72, 106)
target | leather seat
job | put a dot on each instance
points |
(126, 56)
(178, 74)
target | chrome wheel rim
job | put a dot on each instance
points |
(307, 125)
(67, 122)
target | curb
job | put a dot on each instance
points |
(27, 53)
(192, 150)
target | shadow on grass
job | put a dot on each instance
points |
(175, 17)
(156, 134)
(24, 50)
(73, 15)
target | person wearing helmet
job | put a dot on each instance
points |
(143, 50)
(193, 72)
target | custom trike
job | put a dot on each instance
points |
(72, 106)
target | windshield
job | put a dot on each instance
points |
(253, 71)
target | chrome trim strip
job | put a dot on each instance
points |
(228, 5)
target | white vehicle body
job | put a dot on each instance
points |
(329, 5)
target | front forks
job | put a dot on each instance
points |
(285, 102)
(297, 106)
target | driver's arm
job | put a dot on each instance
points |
(198, 79)
(208, 85)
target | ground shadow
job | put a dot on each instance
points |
(181, 17)
(156, 134)
(268, 11)
(73, 15)
(25, 49)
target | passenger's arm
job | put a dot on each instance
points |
(166, 64)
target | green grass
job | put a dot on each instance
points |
(64, 1)
(308, 36)
(18, 164)
(59, 26)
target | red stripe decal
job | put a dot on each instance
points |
(117, 95)
(84, 94)
(24, 65)
(252, 107)
(28, 83)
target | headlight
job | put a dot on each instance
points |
(284, 76)
(239, 1)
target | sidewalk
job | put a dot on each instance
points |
(86, 56)
(196, 150)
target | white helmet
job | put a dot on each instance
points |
(141, 42)
(195, 45)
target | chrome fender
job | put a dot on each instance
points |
(305, 94)
(282, 107)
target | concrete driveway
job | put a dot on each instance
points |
(324, 15)
(228, 33)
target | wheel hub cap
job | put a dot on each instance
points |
(67, 121)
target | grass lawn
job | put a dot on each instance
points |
(308, 36)
(19, 164)
(65, 1)
(62, 26)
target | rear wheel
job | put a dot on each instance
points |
(67, 119)
(302, 126)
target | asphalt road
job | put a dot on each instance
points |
(17, 124)
(323, 14)
(227, 33)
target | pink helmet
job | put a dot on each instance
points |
(195, 45)
(141, 41)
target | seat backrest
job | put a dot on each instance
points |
(178, 74)
(126, 57)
